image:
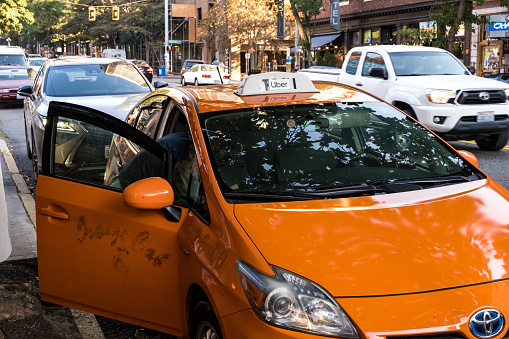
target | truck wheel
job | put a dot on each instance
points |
(204, 324)
(493, 142)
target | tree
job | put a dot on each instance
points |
(49, 16)
(12, 15)
(304, 11)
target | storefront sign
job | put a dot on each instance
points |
(280, 19)
(334, 14)
(498, 26)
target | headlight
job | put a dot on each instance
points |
(62, 125)
(291, 301)
(439, 96)
(507, 93)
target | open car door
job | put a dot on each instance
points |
(101, 247)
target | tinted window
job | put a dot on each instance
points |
(98, 79)
(372, 60)
(353, 62)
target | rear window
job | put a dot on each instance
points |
(209, 68)
(12, 60)
(99, 79)
(13, 73)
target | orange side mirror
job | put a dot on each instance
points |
(471, 158)
(149, 193)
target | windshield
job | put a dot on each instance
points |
(312, 148)
(37, 62)
(99, 79)
(12, 59)
(426, 63)
(13, 73)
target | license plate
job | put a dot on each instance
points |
(486, 116)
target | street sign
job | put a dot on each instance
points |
(176, 42)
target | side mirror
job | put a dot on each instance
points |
(149, 194)
(471, 69)
(378, 72)
(160, 84)
(469, 157)
(25, 91)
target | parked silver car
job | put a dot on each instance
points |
(113, 86)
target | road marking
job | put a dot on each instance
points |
(473, 142)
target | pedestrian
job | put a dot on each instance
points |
(221, 66)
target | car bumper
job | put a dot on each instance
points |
(418, 315)
(461, 120)
(10, 97)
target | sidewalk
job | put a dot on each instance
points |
(22, 314)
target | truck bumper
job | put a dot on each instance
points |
(461, 121)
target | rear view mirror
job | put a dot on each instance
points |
(469, 157)
(149, 193)
(378, 72)
(160, 84)
(471, 69)
(25, 91)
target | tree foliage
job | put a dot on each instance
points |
(13, 13)
(304, 11)
(49, 16)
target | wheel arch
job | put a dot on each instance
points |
(195, 294)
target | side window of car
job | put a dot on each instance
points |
(150, 115)
(353, 62)
(186, 179)
(38, 81)
(195, 68)
(83, 151)
(372, 60)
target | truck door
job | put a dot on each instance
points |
(97, 251)
(368, 82)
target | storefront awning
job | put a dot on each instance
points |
(321, 40)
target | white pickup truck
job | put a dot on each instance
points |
(433, 86)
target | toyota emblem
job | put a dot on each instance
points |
(486, 323)
(484, 96)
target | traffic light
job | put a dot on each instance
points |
(115, 13)
(91, 13)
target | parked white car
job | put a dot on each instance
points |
(204, 74)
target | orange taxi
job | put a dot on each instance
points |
(277, 208)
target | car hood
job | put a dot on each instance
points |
(15, 83)
(388, 244)
(114, 105)
(451, 82)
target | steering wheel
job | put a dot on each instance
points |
(366, 160)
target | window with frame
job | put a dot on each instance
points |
(353, 63)
(373, 60)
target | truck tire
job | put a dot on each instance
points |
(494, 142)
(204, 323)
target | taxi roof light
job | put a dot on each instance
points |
(275, 83)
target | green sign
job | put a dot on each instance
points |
(176, 42)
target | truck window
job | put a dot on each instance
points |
(353, 62)
(373, 60)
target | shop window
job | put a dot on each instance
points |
(366, 36)
(375, 36)
(356, 38)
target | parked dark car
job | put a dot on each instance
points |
(145, 68)
(504, 77)
(188, 64)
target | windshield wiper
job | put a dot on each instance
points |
(328, 193)
(426, 182)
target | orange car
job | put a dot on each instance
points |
(279, 208)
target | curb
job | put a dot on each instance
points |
(85, 322)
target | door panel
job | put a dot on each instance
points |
(95, 253)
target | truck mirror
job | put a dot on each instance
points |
(378, 72)
(471, 69)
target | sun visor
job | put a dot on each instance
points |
(275, 83)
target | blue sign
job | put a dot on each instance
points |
(334, 14)
(499, 26)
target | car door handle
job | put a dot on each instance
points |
(358, 84)
(54, 214)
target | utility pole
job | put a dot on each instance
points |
(166, 58)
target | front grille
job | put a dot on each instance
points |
(498, 117)
(472, 97)
(431, 336)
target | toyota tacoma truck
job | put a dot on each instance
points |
(434, 87)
